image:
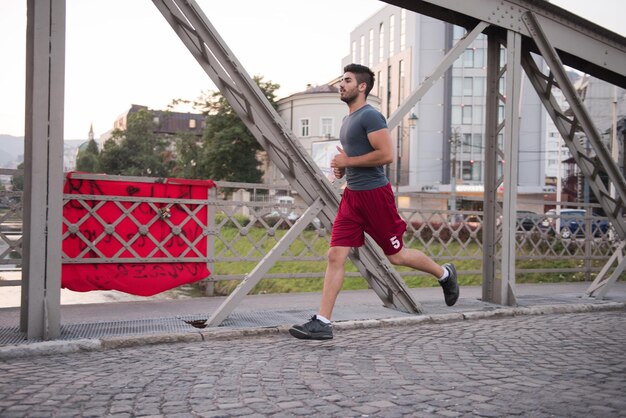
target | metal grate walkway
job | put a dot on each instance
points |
(255, 319)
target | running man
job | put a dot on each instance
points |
(367, 205)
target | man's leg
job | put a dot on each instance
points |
(333, 280)
(410, 257)
(319, 327)
(446, 274)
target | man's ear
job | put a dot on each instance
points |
(362, 86)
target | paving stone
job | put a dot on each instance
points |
(530, 366)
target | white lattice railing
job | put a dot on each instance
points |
(222, 231)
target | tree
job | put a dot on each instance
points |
(17, 181)
(137, 151)
(87, 159)
(228, 150)
(188, 150)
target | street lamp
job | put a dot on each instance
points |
(412, 122)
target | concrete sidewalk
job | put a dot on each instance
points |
(109, 325)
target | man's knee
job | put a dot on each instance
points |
(397, 258)
(337, 255)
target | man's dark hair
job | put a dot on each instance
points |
(363, 75)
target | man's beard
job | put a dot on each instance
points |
(349, 97)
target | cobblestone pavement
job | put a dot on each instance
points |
(564, 365)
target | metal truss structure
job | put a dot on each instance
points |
(523, 27)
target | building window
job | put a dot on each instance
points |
(477, 115)
(155, 120)
(456, 86)
(380, 84)
(468, 86)
(371, 49)
(468, 58)
(381, 42)
(192, 124)
(326, 127)
(467, 169)
(466, 114)
(304, 127)
(472, 58)
(477, 143)
(392, 35)
(402, 29)
(456, 115)
(362, 56)
(467, 144)
(479, 86)
(354, 51)
(479, 58)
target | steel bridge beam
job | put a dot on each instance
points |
(568, 126)
(579, 43)
(560, 37)
(43, 169)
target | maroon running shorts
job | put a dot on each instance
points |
(372, 211)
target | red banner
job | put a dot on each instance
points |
(134, 229)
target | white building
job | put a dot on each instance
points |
(403, 48)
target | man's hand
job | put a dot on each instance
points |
(339, 172)
(339, 163)
(340, 160)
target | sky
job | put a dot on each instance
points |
(123, 52)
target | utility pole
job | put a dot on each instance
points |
(454, 142)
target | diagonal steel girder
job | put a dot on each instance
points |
(282, 147)
(581, 121)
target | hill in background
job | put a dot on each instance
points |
(12, 149)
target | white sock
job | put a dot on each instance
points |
(323, 319)
(445, 275)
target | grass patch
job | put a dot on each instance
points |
(311, 249)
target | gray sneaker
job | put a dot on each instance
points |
(312, 330)
(450, 285)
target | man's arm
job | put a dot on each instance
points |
(382, 154)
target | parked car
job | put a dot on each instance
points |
(526, 220)
(276, 215)
(572, 223)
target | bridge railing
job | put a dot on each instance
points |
(246, 220)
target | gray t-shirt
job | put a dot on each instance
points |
(353, 137)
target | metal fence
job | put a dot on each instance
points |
(246, 220)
